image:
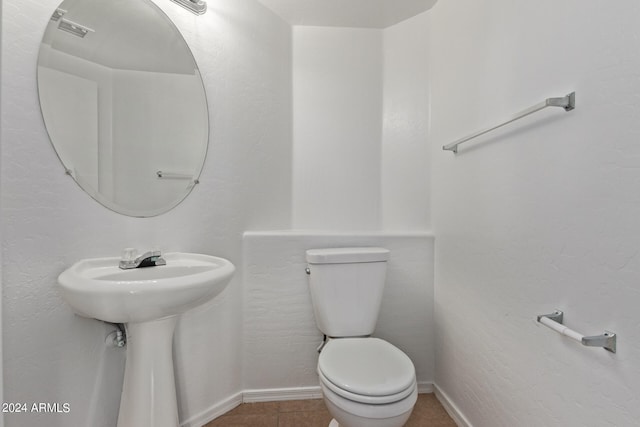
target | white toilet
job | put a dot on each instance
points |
(365, 381)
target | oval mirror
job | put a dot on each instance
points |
(123, 103)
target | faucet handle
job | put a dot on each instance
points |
(149, 259)
(129, 254)
(131, 259)
(147, 254)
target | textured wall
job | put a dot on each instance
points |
(405, 155)
(1, 240)
(337, 100)
(50, 355)
(281, 336)
(244, 54)
(361, 109)
(540, 215)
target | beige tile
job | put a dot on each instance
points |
(430, 422)
(304, 419)
(255, 420)
(258, 408)
(302, 405)
(429, 412)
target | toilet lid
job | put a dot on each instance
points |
(366, 366)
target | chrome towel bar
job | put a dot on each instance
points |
(554, 321)
(170, 175)
(567, 102)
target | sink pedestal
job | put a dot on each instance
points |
(148, 301)
(149, 390)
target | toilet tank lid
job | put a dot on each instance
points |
(346, 255)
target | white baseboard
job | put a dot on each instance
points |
(273, 395)
(214, 411)
(425, 387)
(277, 394)
(451, 408)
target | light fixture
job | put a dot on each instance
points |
(59, 13)
(73, 28)
(198, 7)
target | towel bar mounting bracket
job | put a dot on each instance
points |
(567, 102)
(606, 341)
(556, 316)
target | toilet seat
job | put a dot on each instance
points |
(366, 370)
(370, 400)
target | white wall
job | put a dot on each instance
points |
(359, 172)
(1, 240)
(361, 158)
(405, 154)
(337, 106)
(47, 222)
(69, 99)
(540, 215)
(59, 66)
(280, 331)
(177, 107)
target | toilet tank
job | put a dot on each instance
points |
(346, 286)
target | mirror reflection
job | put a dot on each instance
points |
(123, 103)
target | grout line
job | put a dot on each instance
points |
(317, 412)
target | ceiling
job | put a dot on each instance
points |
(347, 13)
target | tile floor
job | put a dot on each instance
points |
(428, 412)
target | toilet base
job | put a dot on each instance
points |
(350, 420)
(352, 414)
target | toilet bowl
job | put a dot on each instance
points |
(367, 382)
(346, 413)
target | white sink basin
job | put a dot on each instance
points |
(98, 288)
(148, 301)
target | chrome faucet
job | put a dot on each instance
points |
(147, 259)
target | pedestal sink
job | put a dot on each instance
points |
(148, 301)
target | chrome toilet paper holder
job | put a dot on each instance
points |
(608, 340)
